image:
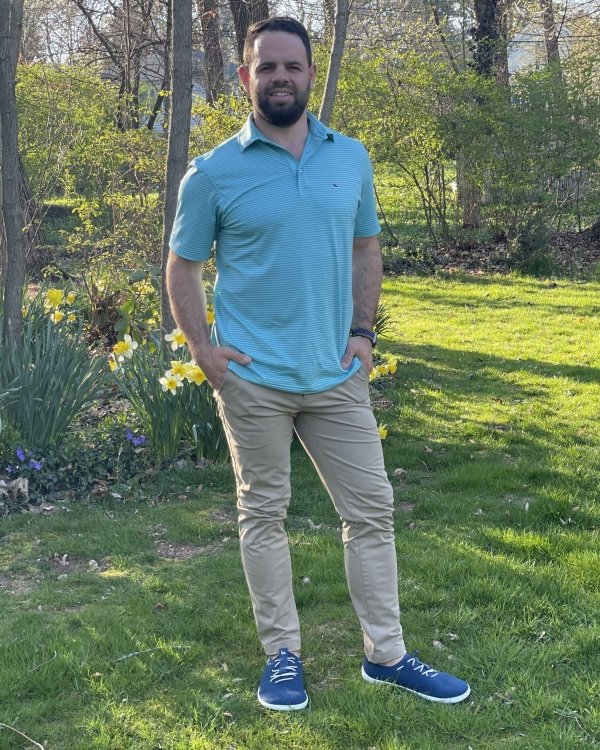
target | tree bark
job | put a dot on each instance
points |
(490, 57)
(342, 13)
(179, 132)
(11, 15)
(550, 34)
(213, 57)
(328, 21)
(245, 13)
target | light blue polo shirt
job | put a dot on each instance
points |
(283, 232)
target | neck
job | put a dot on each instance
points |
(291, 138)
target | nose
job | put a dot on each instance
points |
(280, 74)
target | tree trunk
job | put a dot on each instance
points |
(490, 57)
(550, 34)
(328, 22)
(11, 14)
(342, 13)
(245, 13)
(179, 132)
(213, 57)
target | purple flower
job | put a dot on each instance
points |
(135, 440)
(35, 465)
(10, 469)
(20, 453)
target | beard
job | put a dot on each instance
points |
(281, 115)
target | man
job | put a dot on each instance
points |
(290, 205)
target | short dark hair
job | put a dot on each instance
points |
(276, 23)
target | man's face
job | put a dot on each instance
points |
(279, 78)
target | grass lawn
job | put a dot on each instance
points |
(126, 624)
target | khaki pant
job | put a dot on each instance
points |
(338, 430)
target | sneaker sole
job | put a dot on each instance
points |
(283, 707)
(452, 699)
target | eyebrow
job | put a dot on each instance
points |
(272, 62)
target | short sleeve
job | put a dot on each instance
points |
(366, 223)
(196, 218)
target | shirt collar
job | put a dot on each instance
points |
(249, 134)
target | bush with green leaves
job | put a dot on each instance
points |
(57, 378)
(530, 151)
(170, 397)
(71, 148)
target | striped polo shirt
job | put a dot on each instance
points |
(282, 229)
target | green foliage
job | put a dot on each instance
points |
(383, 319)
(56, 376)
(217, 123)
(85, 462)
(71, 147)
(8, 396)
(188, 413)
(531, 150)
(66, 128)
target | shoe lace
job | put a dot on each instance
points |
(284, 668)
(420, 666)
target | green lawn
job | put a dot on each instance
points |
(494, 452)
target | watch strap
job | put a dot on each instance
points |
(366, 333)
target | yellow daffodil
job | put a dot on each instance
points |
(176, 338)
(57, 316)
(170, 382)
(374, 373)
(179, 368)
(125, 348)
(210, 317)
(393, 367)
(54, 298)
(382, 431)
(71, 297)
(195, 374)
(71, 317)
(112, 363)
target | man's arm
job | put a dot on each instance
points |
(188, 304)
(367, 273)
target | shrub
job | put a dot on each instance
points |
(57, 378)
(170, 397)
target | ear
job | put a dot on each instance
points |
(244, 74)
(313, 74)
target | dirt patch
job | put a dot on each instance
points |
(17, 586)
(570, 253)
(226, 516)
(172, 551)
(65, 563)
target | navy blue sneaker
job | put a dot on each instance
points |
(413, 675)
(281, 686)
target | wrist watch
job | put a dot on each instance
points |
(366, 333)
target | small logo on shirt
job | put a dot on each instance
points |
(335, 184)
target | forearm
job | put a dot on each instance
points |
(188, 302)
(367, 274)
